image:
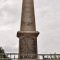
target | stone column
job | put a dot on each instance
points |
(27, 34)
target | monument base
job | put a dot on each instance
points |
(28, 59)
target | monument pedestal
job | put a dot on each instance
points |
(28, 43)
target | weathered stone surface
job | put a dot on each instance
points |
(27, 34)
(28, 45)
(28, 17)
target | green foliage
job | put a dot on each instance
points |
(1, 50)
(2, 54)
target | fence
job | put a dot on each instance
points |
(14, 56)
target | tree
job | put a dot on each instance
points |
(2, 54)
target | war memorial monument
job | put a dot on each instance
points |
(27, 34)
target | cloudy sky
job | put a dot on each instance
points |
(47, 14)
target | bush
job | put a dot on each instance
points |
(2, 54)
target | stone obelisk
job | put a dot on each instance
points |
(27, 34)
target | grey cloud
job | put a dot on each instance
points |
(3, 0)
(47, 21)
(9, 41)
(10, 49)
(12, 12)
